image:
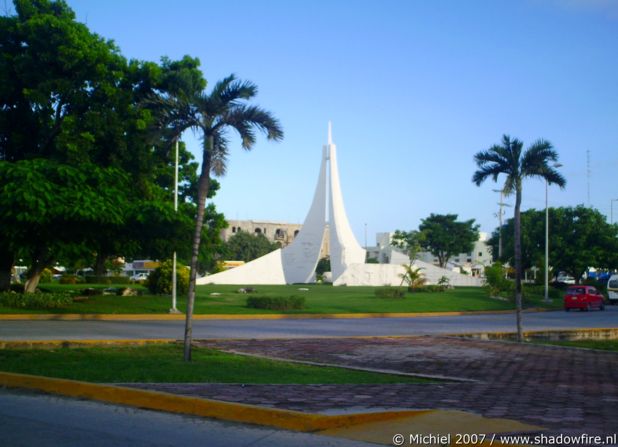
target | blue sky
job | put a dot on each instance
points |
(414, 89)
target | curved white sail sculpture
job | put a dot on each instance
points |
(296, 263)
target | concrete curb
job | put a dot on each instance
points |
(156, 400)
(181, 317)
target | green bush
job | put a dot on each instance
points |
(35, 300)
(46, 277)
(554, 293)
(92, 279)
(389, 292)
(276, 303)
(496, 282)
(69, 279)
(160, 280)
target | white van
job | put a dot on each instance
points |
(612, 289)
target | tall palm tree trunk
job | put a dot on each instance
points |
(202, 194)
(518, 269)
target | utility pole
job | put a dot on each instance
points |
(501, 204)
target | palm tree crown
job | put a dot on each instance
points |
(508, 159)
(211, 114)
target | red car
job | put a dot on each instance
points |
(583, 298)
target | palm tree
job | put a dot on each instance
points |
(508, 159)
(212, 115)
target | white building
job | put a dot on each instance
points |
(472, 263)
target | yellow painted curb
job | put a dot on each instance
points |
(178, 317)
(156, 400)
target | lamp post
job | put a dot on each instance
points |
(546, 298)
(612, 210)
(174, 310)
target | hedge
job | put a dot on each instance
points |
(35, 300)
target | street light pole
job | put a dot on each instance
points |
(546, 298)
(174, 310)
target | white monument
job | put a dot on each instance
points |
(296, 263)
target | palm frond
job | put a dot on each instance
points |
(536, 163)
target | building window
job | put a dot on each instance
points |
(279, 233)
(258, 231)
(233, 229)
(480, 254)
(296, 233)
(469, 260)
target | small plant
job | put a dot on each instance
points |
(413, 277)
(389, 292)
(444, 281)
(35, 300)
(276, 303)
(160, 280)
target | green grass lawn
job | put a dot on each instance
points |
(605, 345)
(164, 363)
(319, 299)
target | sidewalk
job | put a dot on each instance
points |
(567, 391)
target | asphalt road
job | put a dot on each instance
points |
(209, 329)
(29, 419)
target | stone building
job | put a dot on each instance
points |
(281, 232)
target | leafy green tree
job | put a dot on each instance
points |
(244, 246)
(72, 102)
(579, 238)
(212, 115)
(409, 242)
(532, 240)
(510, 159)
(35, 214)
(445, 237)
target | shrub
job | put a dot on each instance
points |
(35, 300)
(389, 292)
(496, 282)
(69, 279)
(46, 276)
(554, 294)
(276, 303)
(92, 279)
(160, 280)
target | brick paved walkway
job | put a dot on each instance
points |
(569, 391)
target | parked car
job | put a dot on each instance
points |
(612, 289)
(583, 298)
(139, 277)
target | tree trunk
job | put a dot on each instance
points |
(99, 264)
(34, 276)
(203, 186)
(518, 268)
(7, 260)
